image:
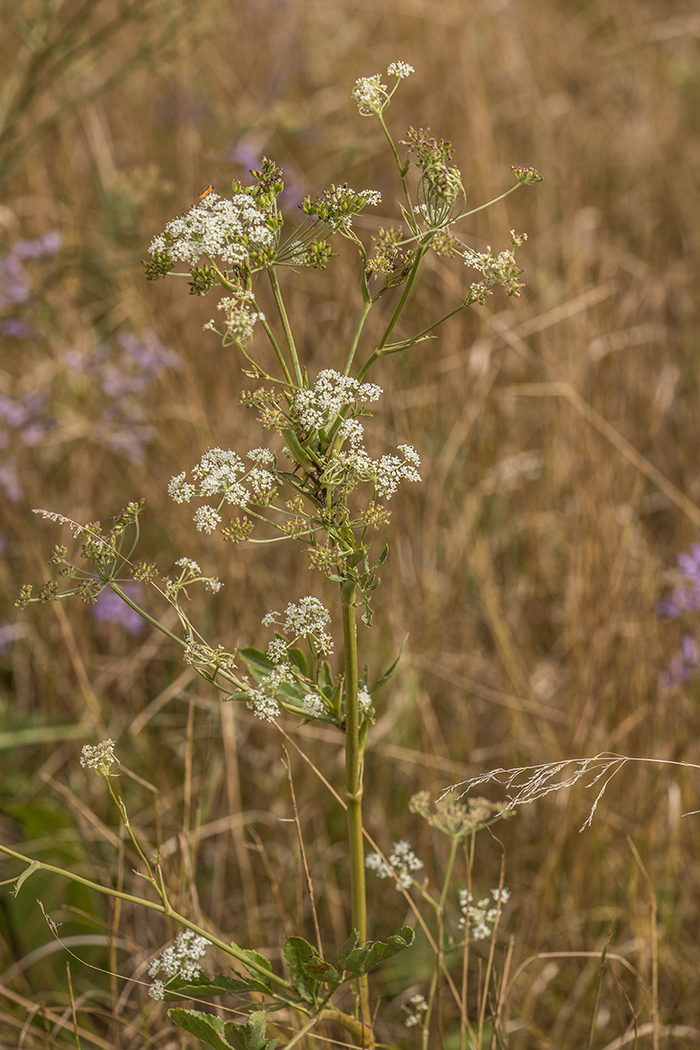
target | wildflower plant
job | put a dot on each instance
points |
(314, 480)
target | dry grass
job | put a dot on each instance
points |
(526, 584)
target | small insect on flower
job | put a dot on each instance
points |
(205, 192)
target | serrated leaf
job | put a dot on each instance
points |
(392, 670)
(308, 969)
(298, 952)
(208, 1028)
(361, 960)
(249, 1036)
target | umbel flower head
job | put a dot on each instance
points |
(233, 232)
(372, 96)
(99, 757)
(179, 960)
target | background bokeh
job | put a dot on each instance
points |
(558, 434)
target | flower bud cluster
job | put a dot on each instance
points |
(336, 206)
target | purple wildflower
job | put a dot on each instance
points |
(685, 598)
(14, 286)
(39, 248)
(14, 328)
(122, 374)
(9, 481)
(686, 593)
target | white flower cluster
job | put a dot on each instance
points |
(479, 918)
(261, 700)
(313, 705)
(402, 861)
(191, 573)
(417, 1007)
(348, 469)
(371, 95)
(318, 407)
(99, 757)
(400, 70)
(217, 474)
(240, 318)
(178, 960)
(364, 700)
(308, 619)
(218, 228)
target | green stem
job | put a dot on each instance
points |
(353, 782)
(150, 619)
(278, 352)
(291, 345)
(420, 252)
(402, 168)
(367, 306)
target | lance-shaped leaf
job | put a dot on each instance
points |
(391, 671)
(204, 986)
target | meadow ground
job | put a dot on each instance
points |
(558, 434)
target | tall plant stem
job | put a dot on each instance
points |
(353, 782)
(291, 345)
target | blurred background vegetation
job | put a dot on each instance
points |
(558, 434)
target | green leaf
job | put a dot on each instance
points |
(361, 960)
(382, 558)
(219, 984)
(298, 660)
(259, 664)
(392, 670)
(324, 678)
(346, 949)
(249, 1036)
(254, 971)
(297, 952)
(308, 969)
(208, 1028)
